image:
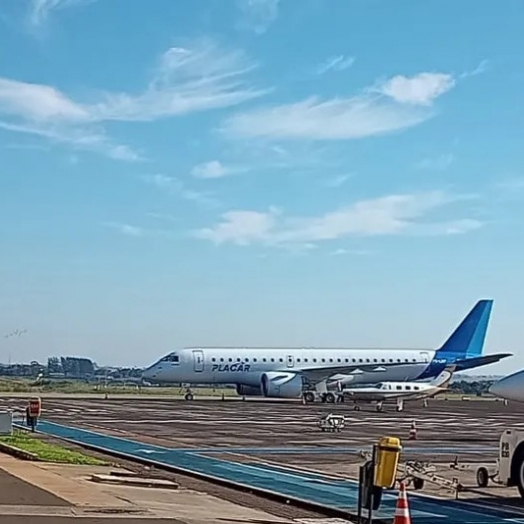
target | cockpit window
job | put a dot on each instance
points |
(170, 358)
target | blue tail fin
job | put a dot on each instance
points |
(468, 339)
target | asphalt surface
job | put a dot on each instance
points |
(286, 433)
(445, 427)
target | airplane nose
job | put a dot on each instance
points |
(510, 388)
(149, 373)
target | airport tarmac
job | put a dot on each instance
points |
(471, 426)
(286, 433)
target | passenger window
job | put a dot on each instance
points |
(213, 359)
(272, 360)
(408, 388)
(221, 360)
(263, 360)
(305, 360)
(338, 360)
(323, 360)
(298, 360)
(281, 359)
(230, 360)
(374, 360)
(254, 360)
(399, 388)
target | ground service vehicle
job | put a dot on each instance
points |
(510, 464)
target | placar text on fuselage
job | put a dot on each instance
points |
(239, 367)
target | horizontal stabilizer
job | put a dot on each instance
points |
(470, 363)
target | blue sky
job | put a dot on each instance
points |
(258, 172)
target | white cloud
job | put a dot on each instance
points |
(389, 215)
(175, 187)
(482, 67)
(38, 103)
(258, 15)
(241, 227)
(39, 10)
(343, 251)
(336, 63)
(213, 169)
(396, 104)
(78, 137)
(127, 229)
(438, 163)
(421, 89)
(185, 80)
(335, 119)
(337, 181)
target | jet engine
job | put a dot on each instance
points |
(249, 391)
(281, 385)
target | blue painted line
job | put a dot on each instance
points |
(313, 487)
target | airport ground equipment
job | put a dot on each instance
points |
(377, 474)
(33, 412)
(417, 473)
(331, 422)
(509, 470)
(485, 473)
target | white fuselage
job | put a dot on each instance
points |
(247, 365)
(510, 387)
(392, 390)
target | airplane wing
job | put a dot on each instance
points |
(319, 374)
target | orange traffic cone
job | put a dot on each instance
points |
(413, 431)
(402, 515)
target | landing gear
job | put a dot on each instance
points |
(309, 397)
(188, 395)
(356, 407)
(400, 405)
(379, 407)
(329, 398)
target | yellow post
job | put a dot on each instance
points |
(387, 459)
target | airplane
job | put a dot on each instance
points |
(510, 387)
(308, 372)
(399, 391)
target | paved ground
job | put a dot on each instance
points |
(14, 491)
(286, 433)
(226, 424)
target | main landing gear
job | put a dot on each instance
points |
(326, 398)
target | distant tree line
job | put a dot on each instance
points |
(475, 387)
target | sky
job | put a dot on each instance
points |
(258, 172)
